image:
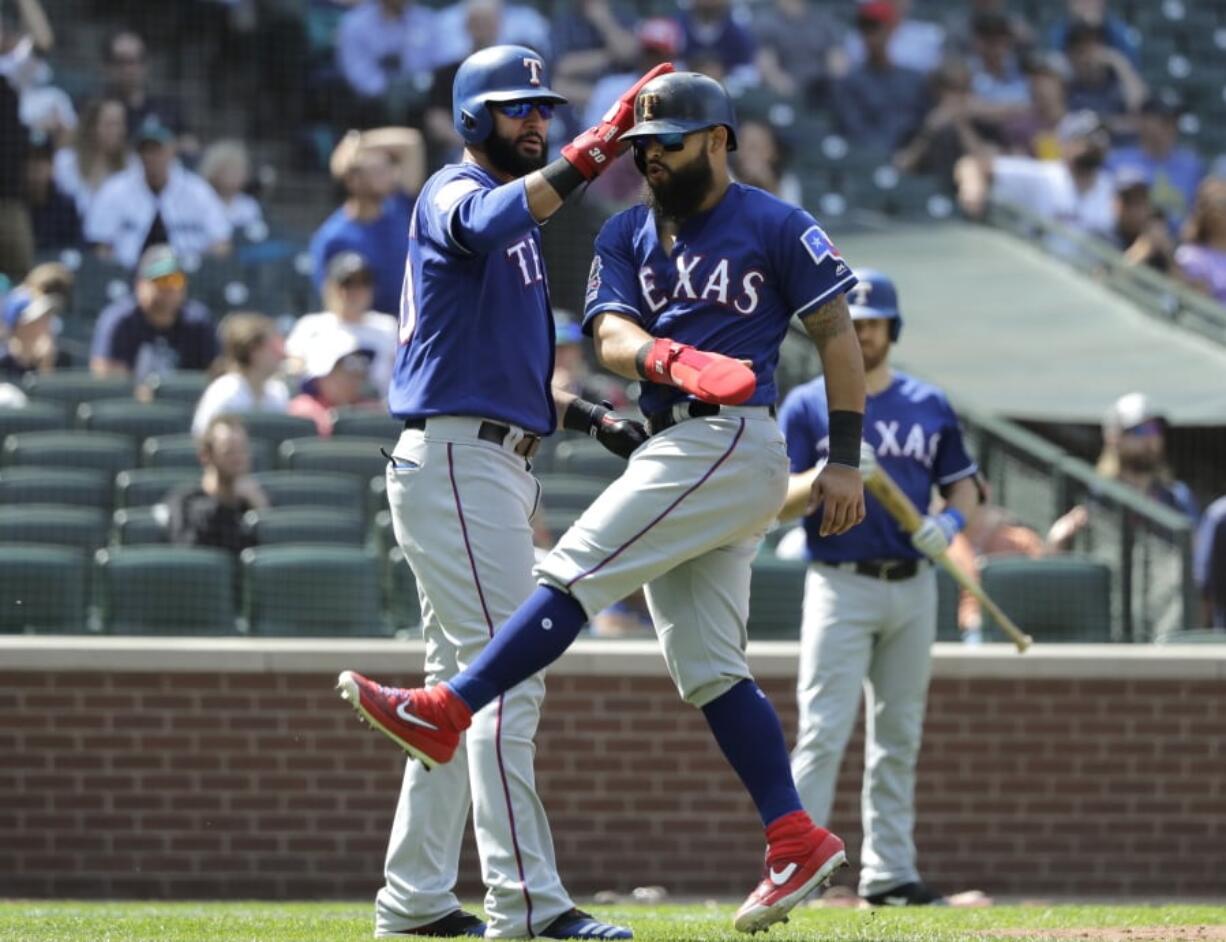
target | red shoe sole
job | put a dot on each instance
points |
(348, 688)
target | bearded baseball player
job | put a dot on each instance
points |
(692, 294)
(472, 384)
(870, 596)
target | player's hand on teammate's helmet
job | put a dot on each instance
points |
(839, 491)
(937, 532)
(619, 434)
(593, 151)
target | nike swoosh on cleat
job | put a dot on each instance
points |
(783, 875)
(416, 720)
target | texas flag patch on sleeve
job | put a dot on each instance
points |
(820, 247)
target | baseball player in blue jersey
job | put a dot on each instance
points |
(870, 595)
(472, 384)
(692, 294)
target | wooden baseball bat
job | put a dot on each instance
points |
(899, 506)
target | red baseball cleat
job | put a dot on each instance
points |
(425, 723)
(800, 857)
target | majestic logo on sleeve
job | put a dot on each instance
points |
(648, 104)
(593, 280)
(820, 248)
(534, 67)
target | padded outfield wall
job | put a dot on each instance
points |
(229, 769)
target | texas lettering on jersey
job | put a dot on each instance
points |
(738, 292)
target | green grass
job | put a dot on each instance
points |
(349, 922)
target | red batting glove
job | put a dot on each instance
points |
(593, 151)
(711, 377)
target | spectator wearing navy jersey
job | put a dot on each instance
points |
(53, 214)
(156, 330)
(127, 67)
(382, 170)
(719, 30)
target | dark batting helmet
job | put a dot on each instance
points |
(874, 295)
(682, 102)
(494, 75)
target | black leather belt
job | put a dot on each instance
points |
(888, 570)
(657, 422)
(493, 432)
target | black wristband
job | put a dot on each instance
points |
(846, 427)
(563, 177)
(640, 358)
(583, 416)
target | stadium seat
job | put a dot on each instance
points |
(183, 386)
(364, 423)
(776, 596)
(947, 607)
(383, 536)
(358, 456)
(165, 590)
(141, 487)
(279, 525)
(586, 456)
(73, 387)
(1053, 599)
(312, 489)
(179, 451)
(38, 485)
(276, 427)
(137, 526)
(42, 588)
(84, 528)
(376, 496)
(403, 603)
(32, 417)
(315, 591)
(138, 420)
(99, 451)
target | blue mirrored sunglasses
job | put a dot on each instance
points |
(521, 109)
(674, 140)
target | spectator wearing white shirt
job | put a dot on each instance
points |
(226, 165)
(348, 294)
(518, 25)
(914, 44)
(100, 151)
(253, 355)
(381, 42)
(159, 201)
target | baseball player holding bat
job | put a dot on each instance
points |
(692, 294)
(870, 595)
(472, 384)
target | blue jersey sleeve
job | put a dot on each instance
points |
(800, 431)
(469, 218)
(612, 282)
(952, 462)
(810, 269)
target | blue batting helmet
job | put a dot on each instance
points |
(875, 296)
(493, 75)
(681, 102)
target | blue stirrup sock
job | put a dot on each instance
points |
(533, 638)
(748, 731)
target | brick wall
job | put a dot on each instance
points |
(221, 783)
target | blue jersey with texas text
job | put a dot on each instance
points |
(737, 274)
(918, 442)
(476, 328)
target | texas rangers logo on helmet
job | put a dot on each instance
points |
(534, 67)
(859, 294)
(648, 104)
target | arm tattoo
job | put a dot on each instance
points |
(828, 321)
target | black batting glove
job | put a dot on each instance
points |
(617, 433)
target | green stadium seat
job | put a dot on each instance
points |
(376, 496)
(948, 594)
(138, 526)
(84, 528)
(99, 451)
(776, 597)
(279, 525)
(383, 536)
(73, 387)
(42, 589)
(403, 602)
(142, 487)
(96, 282)
(1053, 599)
(165, 590)
(39, 485)
(315, 591)
(35, 416)
(220, 283)
(357, 456)
(312, 489)
(179, 451)
(276, 427)
(364, 423)
(138, 420)
(586, 456)
(183, 386)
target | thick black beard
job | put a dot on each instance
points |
(507, 158)
(681, 192)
